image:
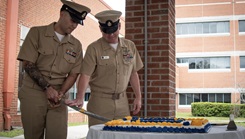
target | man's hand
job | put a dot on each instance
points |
(137, 106)
(53, 97)
(75, 102)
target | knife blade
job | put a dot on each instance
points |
(218, 124)
(81, 110)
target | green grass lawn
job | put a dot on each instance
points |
(18, 132)
(239, 121)
(77, 124)
(12, 133)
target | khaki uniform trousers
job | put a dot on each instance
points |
(107, 106)
(38, 119)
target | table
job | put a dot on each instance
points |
(216, 132)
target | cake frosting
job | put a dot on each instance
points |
(171, 125)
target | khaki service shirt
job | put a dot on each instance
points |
(110, 69)
(53, 58)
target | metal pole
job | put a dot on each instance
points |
(145, 41)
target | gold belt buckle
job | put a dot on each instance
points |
(115, 96)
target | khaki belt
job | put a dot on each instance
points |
(35, 86)
(113, 96)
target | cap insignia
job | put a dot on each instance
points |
(109, 23)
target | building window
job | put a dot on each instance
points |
(23, 32)
(206, 62)
(203, 28)
(188, 98)
(242, 62)
(242, 26)
(242, 100)
(73, 93)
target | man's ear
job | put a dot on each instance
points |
(119, 26)
(100, 29)
(62, 13)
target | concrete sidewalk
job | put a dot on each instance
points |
(74, 132)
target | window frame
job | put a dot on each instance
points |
(194, 63)
(207, 28)
(241, 24)
(214, 96)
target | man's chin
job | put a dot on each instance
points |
(114, 40)
(69, 31)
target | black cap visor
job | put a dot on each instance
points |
(76, 16)
(109, 30)
(109, 27)
(76, 19)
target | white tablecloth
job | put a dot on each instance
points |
(216, 132)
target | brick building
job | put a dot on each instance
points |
(150, 24)
(16, 18)
(210, 51)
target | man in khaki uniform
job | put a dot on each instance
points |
(110, 63)
(52, 60)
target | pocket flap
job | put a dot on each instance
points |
(45, 51)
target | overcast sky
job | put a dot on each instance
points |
(117, 5)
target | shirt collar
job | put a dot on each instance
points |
(106, 45)
(50, 33)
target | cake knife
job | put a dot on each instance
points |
(81, 110)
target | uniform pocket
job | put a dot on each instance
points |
(105, 66)
(69, 58)
(67, 63)
(45, 57)
(127, 67)
(45, 51)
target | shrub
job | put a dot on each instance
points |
(209, 109)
